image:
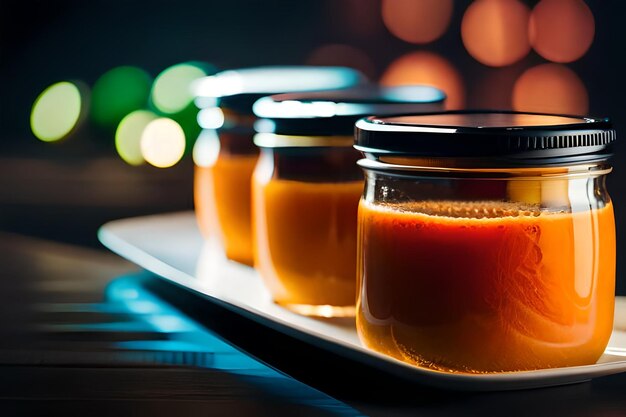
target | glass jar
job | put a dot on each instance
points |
(226, 157)
(486, 240)
(221, 189)
(305, 203)
(306, 189)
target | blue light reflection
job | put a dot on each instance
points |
(187, 343)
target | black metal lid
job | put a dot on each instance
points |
(335, 112)
(237, 90)
(518, 138)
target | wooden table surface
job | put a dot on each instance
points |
(84, 332)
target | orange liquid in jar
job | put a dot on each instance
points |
(485, 286)
(203, 200)
(305, 235)
(222, 200)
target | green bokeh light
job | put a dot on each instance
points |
(128, 135)
(56, 111)
(171, 92)
(117, 93)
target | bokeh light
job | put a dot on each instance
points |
(128, 135)
(550, 88)
(561, 30)
(339, 55)
(207, 148)
(162, 142)
(171, 92)
(211, 118)
(429, 69)
(172, 95)
(117, 93)
(56, 111)
(188, 121)
(495, 32)
(417, 21)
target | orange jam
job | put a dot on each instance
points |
(485, 286)
(305, 234)
(222, 200)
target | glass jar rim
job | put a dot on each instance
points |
(272, 140)
(586, 169)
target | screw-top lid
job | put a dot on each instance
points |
(326, 113)
(516, 138)
(238, 89)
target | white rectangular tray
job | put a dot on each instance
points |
(171, 246)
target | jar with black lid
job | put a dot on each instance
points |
(225, 158)
(486, 240)
(306, 188)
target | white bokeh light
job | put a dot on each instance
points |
(163, 143)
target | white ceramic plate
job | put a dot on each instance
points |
(171, 246)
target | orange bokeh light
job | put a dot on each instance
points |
(495, 32)
(430, 69)
(417, 21)
(561, 30)
(550, 88)
(342, 55)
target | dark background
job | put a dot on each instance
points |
(65, 190)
